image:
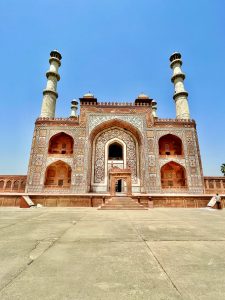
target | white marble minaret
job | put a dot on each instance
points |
(180, 94)
(50, 93)
(74, 104)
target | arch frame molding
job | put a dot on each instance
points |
(126, 128)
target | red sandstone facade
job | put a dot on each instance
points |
(72, 155)
(111, 149)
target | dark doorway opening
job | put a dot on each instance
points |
(119, 186)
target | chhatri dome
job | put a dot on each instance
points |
(143, 96)
(88, 95)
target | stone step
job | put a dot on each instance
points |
(122, 203)
(122, 208)
(111, 205)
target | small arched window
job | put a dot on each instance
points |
(1, 184)
(115, 152)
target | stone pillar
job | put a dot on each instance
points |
(50, 93)
(19, 186)
(5, 181)
(74, 104)
(180, 94)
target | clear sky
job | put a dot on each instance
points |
(115, 49)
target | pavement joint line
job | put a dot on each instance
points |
(204, 242)
(102, 241)
(7, 226)
(13, 278)
(164, 270)
(20, 271)
(184, 240)
(155, 257)
(20, 221)
(17, 274)
(26, 220)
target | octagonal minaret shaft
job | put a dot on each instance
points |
(180, 94)
(50, 93)
(154, 108)
(74, 107)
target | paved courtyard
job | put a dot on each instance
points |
(84, 253)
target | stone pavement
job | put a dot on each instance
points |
(85, 253)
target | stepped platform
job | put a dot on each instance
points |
(97, 200)
(121, 203)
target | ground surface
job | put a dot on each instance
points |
(84, 253)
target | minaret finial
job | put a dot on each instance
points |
(50, 93)
(180, 94)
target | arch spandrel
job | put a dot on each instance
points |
(165, 161)
(116, 123)
(53, 133)
(136, 121)
(67, 160)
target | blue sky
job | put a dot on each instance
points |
(115, 49)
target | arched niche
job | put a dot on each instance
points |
(173, 175)
(170, 144)
(8, 184)
(131, 140)
(61, 143)
(23, 184)
(1, 184)
(58, 175)
(16, 185)
(101, 163)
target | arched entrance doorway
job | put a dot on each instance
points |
(173, 175)
(120, 181)
(114, 147)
